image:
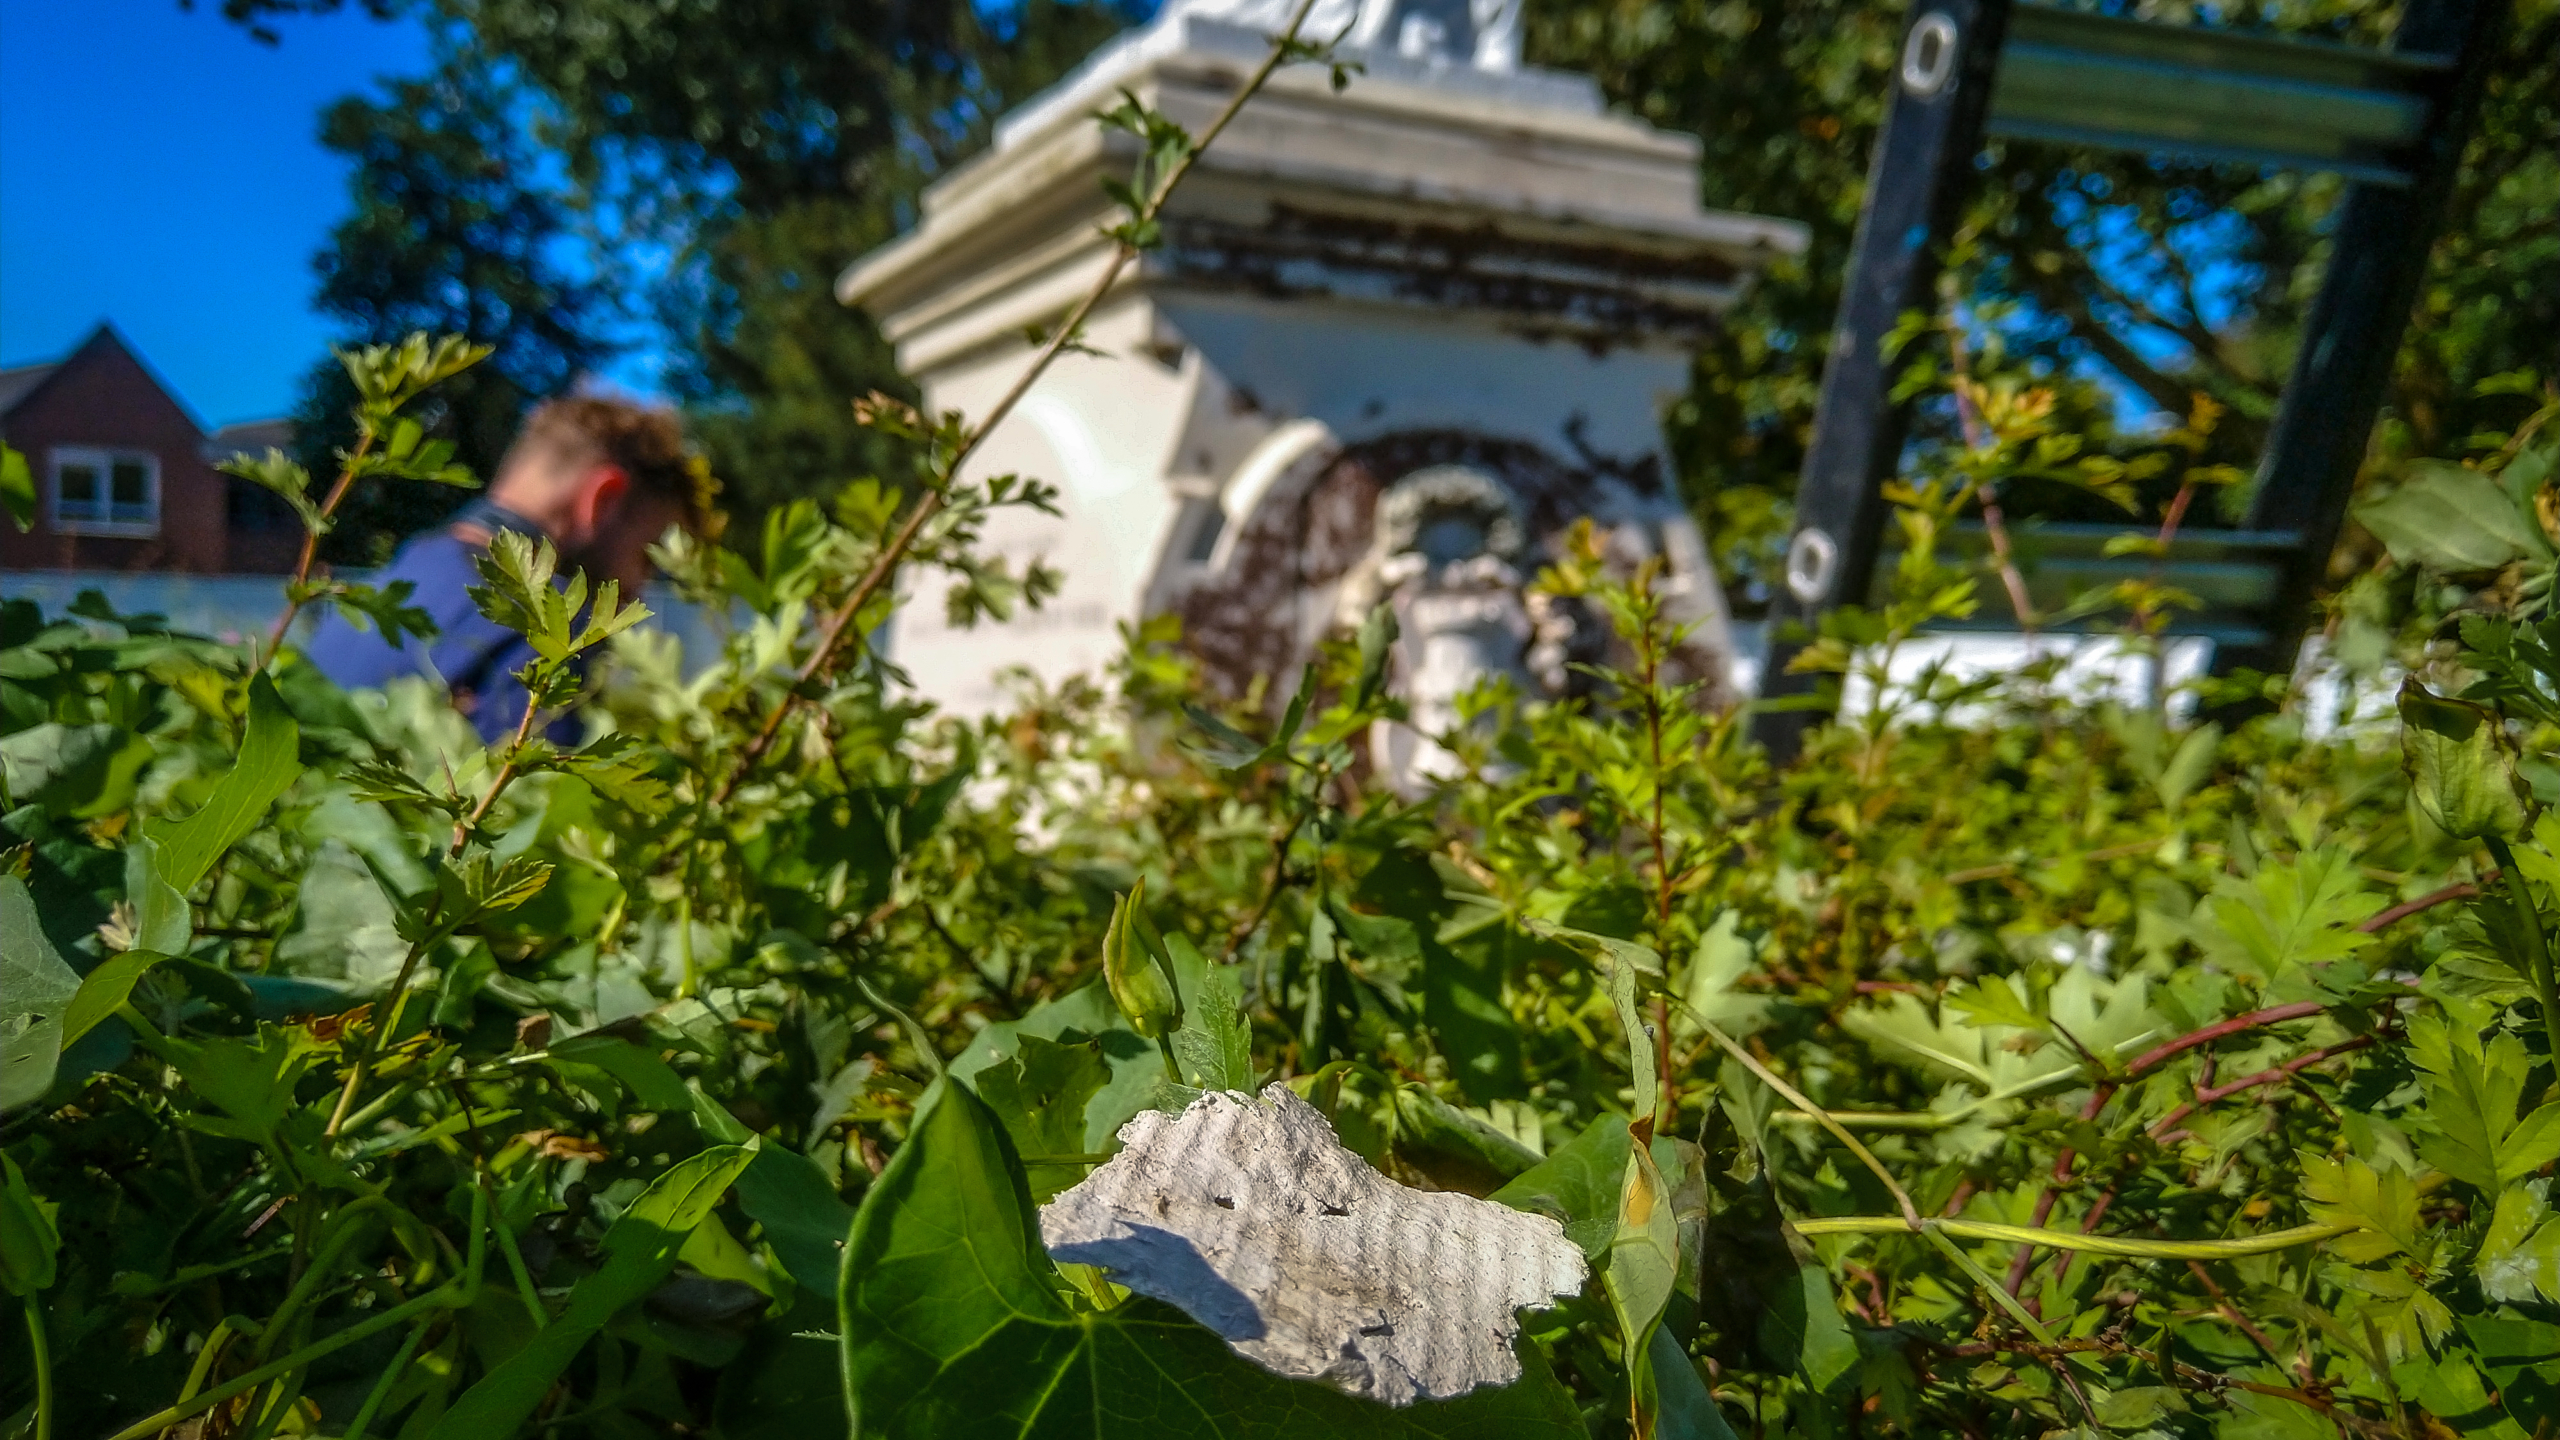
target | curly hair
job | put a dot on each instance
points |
(646, 443)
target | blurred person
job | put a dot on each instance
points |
(602, 480)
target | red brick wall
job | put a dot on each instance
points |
(102, 396)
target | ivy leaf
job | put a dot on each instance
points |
(953, 1326)
(1040, 1094)
(266, 767)
(36, 990)
(2471, 1131)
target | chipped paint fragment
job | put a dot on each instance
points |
(1250, 1216)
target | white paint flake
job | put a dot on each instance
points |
(1249, 1216)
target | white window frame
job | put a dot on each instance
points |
(104, 459)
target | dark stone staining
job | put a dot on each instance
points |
(1304, 537)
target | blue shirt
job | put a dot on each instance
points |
(474, 657)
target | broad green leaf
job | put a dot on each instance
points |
(638, 1252)
(2471, 1130)
(269, 761)
(651, 1082)
(2449, 517)
(36, 990)
(29, 1241)
(163, 921)
(2350, 1192)
(953, 1329)
(1762, 1290)
(2462, 766)
(1578, 1185)
(1683, 1408)
(1040, 1094)
(346, 928)
(82, 771)
(803, 1217)
(1457, 1150)
(103, 990)
(1084, 1013)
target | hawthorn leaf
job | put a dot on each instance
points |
(1215, 1044)
(2288, 915)
(2384, 1203)
(2474, 1088)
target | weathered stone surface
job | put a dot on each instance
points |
(1248, 1215)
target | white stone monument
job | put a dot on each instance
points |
(1398, 339)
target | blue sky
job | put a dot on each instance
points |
(160, 169)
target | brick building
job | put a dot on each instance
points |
(125, 477)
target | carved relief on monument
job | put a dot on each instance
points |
(1450, 529)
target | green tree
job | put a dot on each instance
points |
(452, 231)
(769, 145)
(2162, 278)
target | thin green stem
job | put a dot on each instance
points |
(525, 1288)
(374, 1038)
(2529, 919)
(2265, 1244)
(455, 1294)
(391, 1374)
(1901, 1197)
(43, 1357)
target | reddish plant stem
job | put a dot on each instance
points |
(2460, 890)
(2221, 1030)
(2209, 1094)
(311, 547)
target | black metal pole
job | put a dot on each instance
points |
(1923, 159)
(2351, 337)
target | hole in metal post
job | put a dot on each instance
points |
(1812, 557)
(1929, 55)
